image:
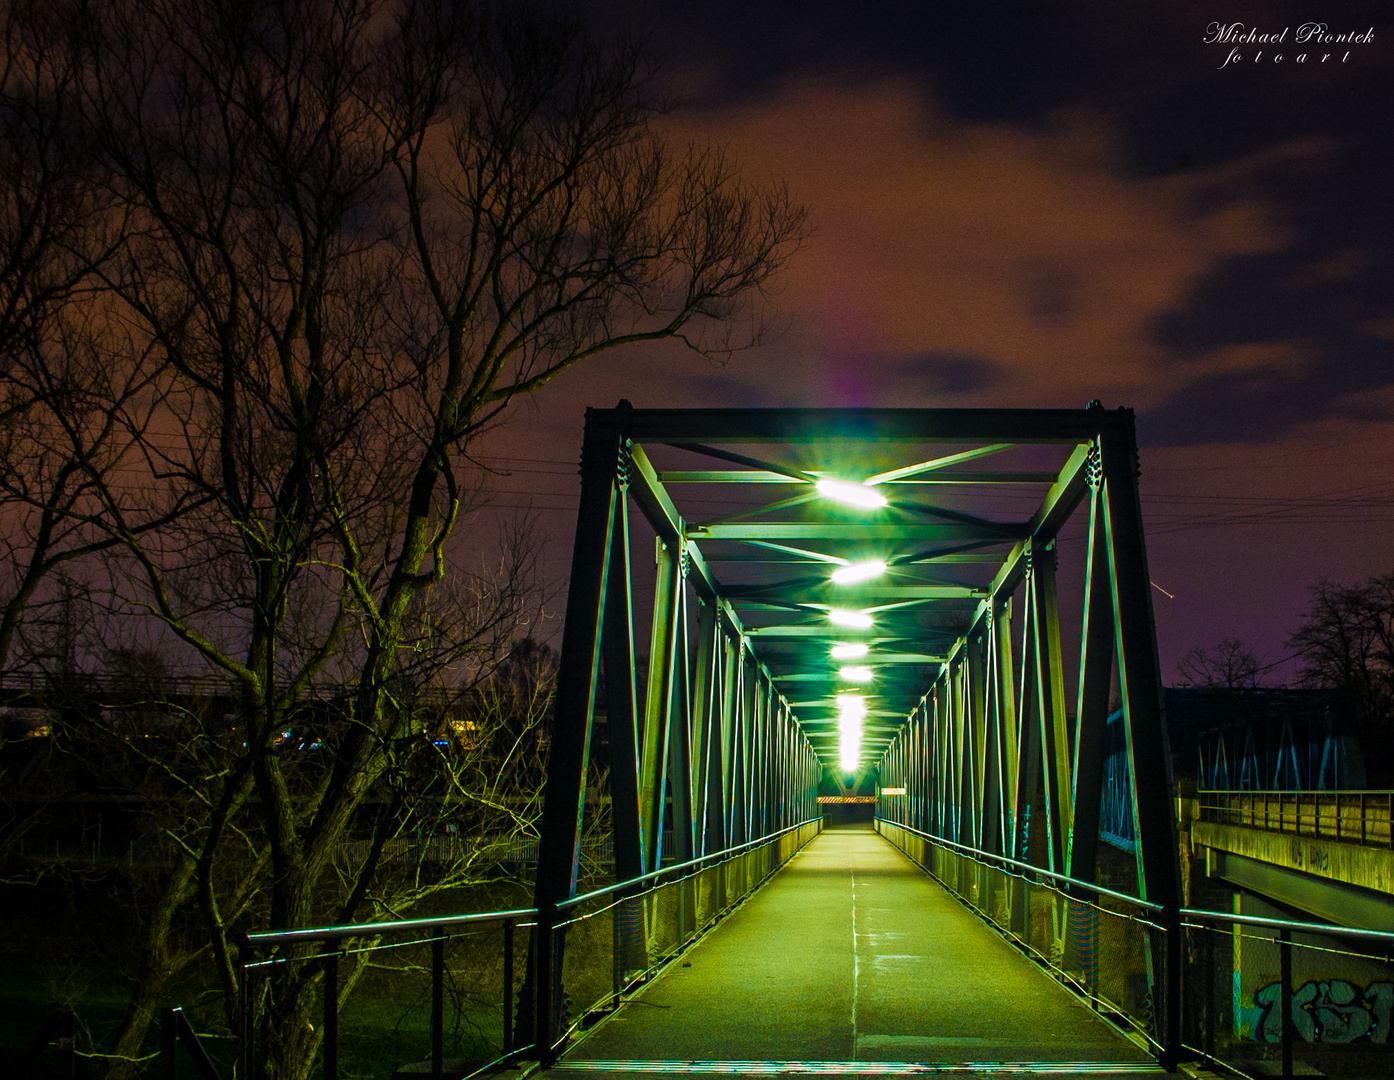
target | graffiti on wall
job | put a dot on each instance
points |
(1327, 1011)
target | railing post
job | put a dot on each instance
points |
(168, 1034)
(507, 986)
(1285, 998)
(545, 1032)
(1171, 1001)
(437, 1007)
(331, 1016)
(1208, 1036)
(246, 1025)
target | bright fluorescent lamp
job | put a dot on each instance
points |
(856, 620)
(858, 495)
(851, 708)
(849, 650)
(861, 571)
(855, 674)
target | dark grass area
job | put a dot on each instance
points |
(71, 947)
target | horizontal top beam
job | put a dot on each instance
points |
(862, 425)
(851, 532)
(762, 476)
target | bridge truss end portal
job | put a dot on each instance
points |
(720, 731)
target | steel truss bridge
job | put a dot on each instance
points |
(987, 569)
(950, 519)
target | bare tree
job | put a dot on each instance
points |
(60, 393)
(1347, 643)
(1230, 664)
(355, 232)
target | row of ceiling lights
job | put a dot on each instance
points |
(851, 706)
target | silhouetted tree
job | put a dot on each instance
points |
(1347, 644)
(1230, 664)
(352, 233)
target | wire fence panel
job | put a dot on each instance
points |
(1276, 1002)
(441, 996)
(358, 1002)
(614, 943)
(1112, 955)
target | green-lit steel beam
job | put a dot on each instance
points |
(965, 705)
(763, 476)
(798, 426)
(851, 532)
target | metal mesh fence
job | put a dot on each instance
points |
(1267, 1001)
(612, 944)
(388, 1004)
(1109, 953)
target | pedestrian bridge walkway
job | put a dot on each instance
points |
(853, 960)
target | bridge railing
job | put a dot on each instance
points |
(449, 992)
(438, 989)
(620, 936)
(1110, 947)
(1281, 998)
(1355, 817)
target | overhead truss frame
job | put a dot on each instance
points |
(729, 735)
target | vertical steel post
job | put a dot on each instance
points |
(437, 1007)
(507, 986)
(658, 702)
(569, 754)
(246, 1027)
(1285, 998)
(1050, 689)
(703, 688)
(1007, 721)
(1028, 764)
(168, 1044)
(331, 1018)
(621, 707)
(978, 729)
(1158, 857)
(1091, 715)
(680, 793)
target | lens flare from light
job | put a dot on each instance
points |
(850, 707)
(851, 710)
(849, 494)
(853, 620)
(861, 571)
(849, 650)
(855, 673)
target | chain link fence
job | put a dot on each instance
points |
(617, 938)
(441, 997)
(430, 997)
(1107, 946)
(1269, 997)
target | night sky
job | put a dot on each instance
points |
(1029, 204)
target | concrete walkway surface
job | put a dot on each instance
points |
(851, 961)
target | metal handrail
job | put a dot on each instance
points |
(565, 905)
(1383, 936)
(1353, 792)
(338, 933)
(985, 856)
(262, 938)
